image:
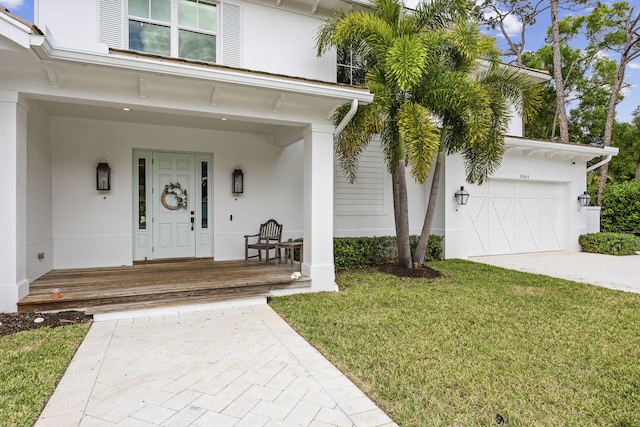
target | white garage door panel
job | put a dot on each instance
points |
(510, 216)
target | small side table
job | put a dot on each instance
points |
(289, 249)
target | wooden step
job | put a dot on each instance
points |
(158, 283)
(174, 302)
(153, 296)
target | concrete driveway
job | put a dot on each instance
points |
(614, 272)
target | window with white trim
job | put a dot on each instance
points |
(350, 66)
(179, 28)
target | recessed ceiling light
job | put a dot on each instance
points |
(223, 118)
(126, 109)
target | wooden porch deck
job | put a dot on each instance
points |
(149, 285)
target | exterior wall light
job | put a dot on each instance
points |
(584, 199)
(462, 196)
(237, 181)
(103, 176)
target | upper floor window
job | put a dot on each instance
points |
(181, 28)
(351, 66)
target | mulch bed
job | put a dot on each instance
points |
(419, 273)
(10, 323)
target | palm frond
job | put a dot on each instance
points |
(421, 137)
(326, 30)
(406, 61)
(355, 137)
(516, 87)
(434, 14)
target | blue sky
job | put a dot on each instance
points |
(22, 8)
(535, 38)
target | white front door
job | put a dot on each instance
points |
(173, 215)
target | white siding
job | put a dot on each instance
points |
(365, 196)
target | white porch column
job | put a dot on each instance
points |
(13, 176)
(318, 207)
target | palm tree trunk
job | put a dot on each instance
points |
(418, 256)
(401, 213)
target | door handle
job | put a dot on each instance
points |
(193, 221)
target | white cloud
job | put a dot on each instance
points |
(12, 4)
(512, 23)
(633, 66)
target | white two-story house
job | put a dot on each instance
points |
(144, 93)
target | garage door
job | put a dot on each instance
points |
(512, 216)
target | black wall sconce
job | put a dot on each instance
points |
(584, 199)
(237, 181)
(103, 176)
(462, 196)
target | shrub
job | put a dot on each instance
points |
(610, 243)
(434, 247)
(371, 251)
(621, 208)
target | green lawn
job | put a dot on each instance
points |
(31, 364)
(482, 340)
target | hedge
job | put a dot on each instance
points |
(621, 208)
(370, 251)
(610, 243)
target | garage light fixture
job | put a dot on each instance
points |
(462, 196)
(584, 199)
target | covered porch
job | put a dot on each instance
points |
(160, 284)
(79, 108)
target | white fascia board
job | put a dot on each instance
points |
(15, 31)
(534, 144)
(156, 66)
(538, 75)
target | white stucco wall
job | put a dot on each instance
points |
(273, 39)
(94, 229)
(516, 165)
(279, 41)
(39, 225)
(68, 19)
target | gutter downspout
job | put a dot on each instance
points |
(347, 118)
(600, 163)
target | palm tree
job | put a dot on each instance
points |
(419, 67)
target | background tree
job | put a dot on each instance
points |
(558, 76)
(501, 14)
(592, 93)
(614, 29)
(574, 65)
(626, 136)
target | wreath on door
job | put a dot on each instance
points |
(181, 196)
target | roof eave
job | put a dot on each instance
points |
(145, 63)
(585, 152)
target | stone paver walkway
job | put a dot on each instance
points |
(241, 366)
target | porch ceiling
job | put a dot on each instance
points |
(279, 133)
